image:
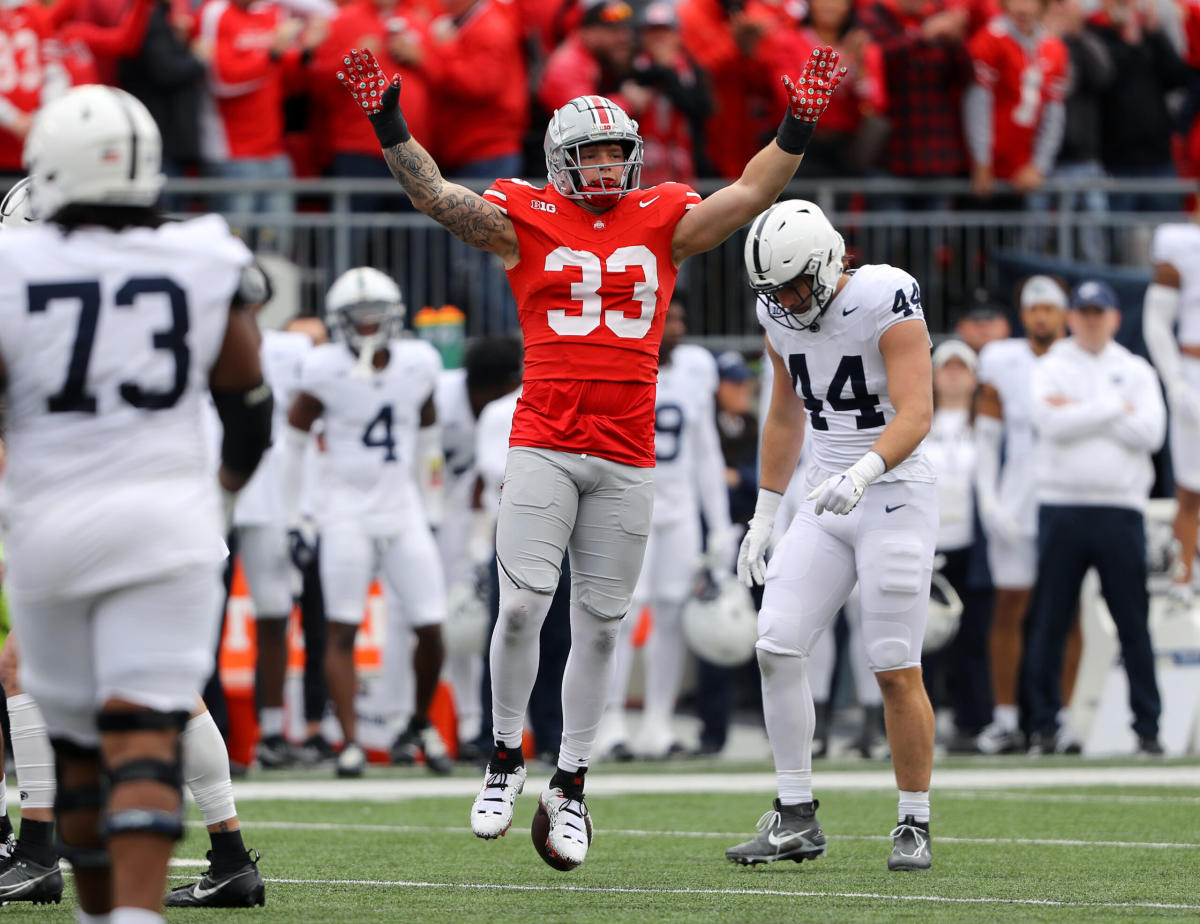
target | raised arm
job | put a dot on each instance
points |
(770, 170)
(462, 212)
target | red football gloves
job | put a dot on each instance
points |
(379, 98)
(808, 97)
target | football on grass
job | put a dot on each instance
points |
(540, 832)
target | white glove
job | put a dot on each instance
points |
(717, 548)
(1184, 401)
(840, 493)
(752, 557)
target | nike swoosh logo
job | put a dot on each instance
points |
(846, 311)
(199, 893)
(897, 507)
(777, 842)
(648, 201)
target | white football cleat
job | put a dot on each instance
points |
(492, 813)
(569, 823)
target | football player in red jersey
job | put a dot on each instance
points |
(592, 260)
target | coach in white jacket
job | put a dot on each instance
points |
(1099, 414)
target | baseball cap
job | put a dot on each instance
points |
(1094, 293)
(731, 367)
(607, 13)
(1042, 290)
(980, 307)
(954, 349)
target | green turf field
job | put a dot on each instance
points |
(1002, 851)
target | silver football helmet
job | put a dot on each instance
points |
(591, 120)
(719, 622)
(94, 145)
(793, 245)
(945, 613)
(16, 211)
(364, 305)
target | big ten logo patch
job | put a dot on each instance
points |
(539, 206)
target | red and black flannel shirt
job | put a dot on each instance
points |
(924, 82)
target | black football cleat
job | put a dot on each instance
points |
(241, 888)
(23, 880)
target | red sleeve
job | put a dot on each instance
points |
(122, 40)
(231, 65)
(62, 12)
(1057, 75)
(1191, 33)
(984, 50)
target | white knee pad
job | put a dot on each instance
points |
(206, 769)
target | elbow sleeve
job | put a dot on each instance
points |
(246, 417)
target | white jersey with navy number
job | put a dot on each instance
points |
(1179, 245)
(839, 372)
(108, 339)
(683, 412)
(1007, 366)
(282, 354)
(370, 420)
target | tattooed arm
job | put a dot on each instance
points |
(464, 213)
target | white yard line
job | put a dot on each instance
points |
(788, 893)
(254, 825)
(606, 784)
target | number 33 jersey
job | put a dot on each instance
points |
(108, 339)
(840, 373)
(365, 473)
(592, 293)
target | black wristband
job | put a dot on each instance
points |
(390, 128)
(794, 135)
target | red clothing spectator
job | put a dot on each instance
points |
(670, 99)
(23, 32)
(729, 48)
(1014, 110)
(246, 79)
(926, 65)
(81, 47)
(477, 64)
(398, 38)
(596, 58)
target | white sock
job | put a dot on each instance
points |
(790, 718)
(32, 754)
(585, 684)
(270, 720)
(915, 804)
(514, 658)
(1005, 717)
(3, 795)
(795, 786)
(82, 917)
(664, 664)
(134, 916)
(206, 769)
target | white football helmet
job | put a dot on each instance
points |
(719, 622)
(591, 120)
(465, 629)
(364, 297)
(94, 145)
(16, 210)
(789, 240)
(945, 613)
